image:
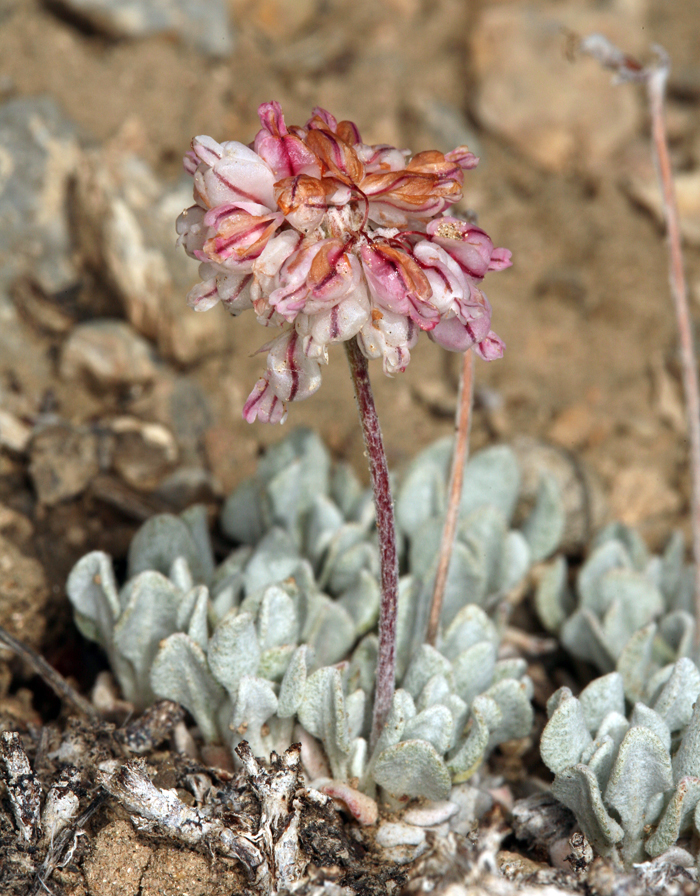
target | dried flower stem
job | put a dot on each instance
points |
(459, 458)
(655, 77)
(379, 474)
(656, 85)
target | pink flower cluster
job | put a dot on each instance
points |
(328, 239)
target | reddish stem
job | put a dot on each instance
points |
(383, 502)
(459, 459)
(656, 85)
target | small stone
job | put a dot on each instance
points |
(63, 461)
(24, 596)
(402, 842)
(639, 493)
(558, 113)
(430, 813)
(110, 353)
(643, 187)
(14, 434)
(38, 158)
(144, 453)
(204, 26)
(473, 802)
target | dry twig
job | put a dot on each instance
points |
(655, 77)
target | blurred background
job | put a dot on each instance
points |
(117, 401)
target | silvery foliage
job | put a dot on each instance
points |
(266, 638)
(632, 612)
(633, 782)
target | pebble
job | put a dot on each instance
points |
(472, 802)
(430, 813)
(560, 114)
(25, 594)
(124, 227)
(14, 434)
(640, 493)
(402, 842)
(63, 461)
(641, 183)
(110, 353)
(38, 158)
(143, 454)
(204, 26)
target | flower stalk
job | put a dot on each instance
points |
(463, 424)
(384, 505)
(654, 78)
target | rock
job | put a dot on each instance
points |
(25, 594)
(402, 843)
(557, 113)
(38, 157)
(126, 232)
(639, 493)
(143, 453)
(204, 26)
(63, 460)
(430, 813)
(189, 485)
(14, 434)
(109, 353)
(642, 185)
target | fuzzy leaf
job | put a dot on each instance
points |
(233, 651)
(294, 682)
(277, 623)
(362, 602)
(180, 673)
(602, 696)
(470, 752)
(687, 759)
(544, 527)
(583, 636)
(491, 477)
(149, 616)
(565, 735)
(609, 555)
(323, 714)
(552, 599)
(255, 703)
(412, 768)
(92, 590)
(401, 712)
(644, 717)
(159, 542)
(641, 770)
(513, 699)
(577, 788)
(422, 494)
(675, 702)
(516, 560)
(246, 514)
(434, 725)
(427, 662)
(632, 603)
(470, 626)
(634, 664)
(485, 528)
(275, 558)
(473, 670)
(677, 817)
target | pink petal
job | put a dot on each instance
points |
(262, 404)
(500, 259)
(491, 348)
(203, 296)
(292, 376)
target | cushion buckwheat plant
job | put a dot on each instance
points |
(328, 238)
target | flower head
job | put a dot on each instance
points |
(328, 238)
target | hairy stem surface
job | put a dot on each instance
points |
(459, 458)
(656, 86)
(383, 502)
